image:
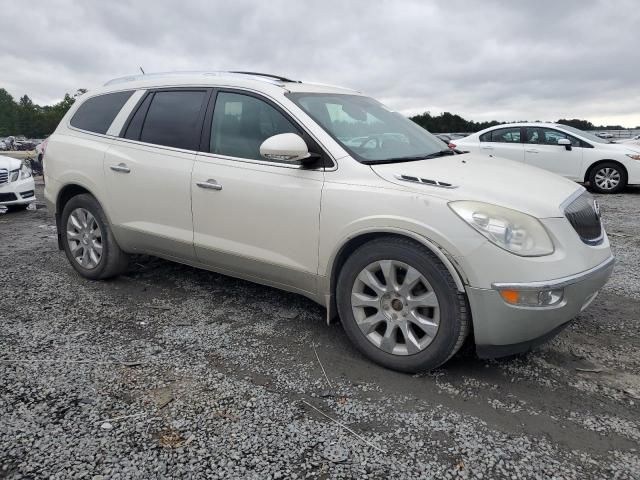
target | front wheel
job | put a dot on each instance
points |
(88, 241)
(608, 177)
(400, 307)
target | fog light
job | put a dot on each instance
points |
(532, 298)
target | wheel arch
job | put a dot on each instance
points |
(65, 194)
(587, 174)
(354, 242)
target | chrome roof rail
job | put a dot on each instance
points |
(264, 77)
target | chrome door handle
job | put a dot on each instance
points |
(532, 151)
(210, 184)
(121, 167)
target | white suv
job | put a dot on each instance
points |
(577, 155)
(325, 192)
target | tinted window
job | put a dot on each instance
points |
(506, 135)
(97, 113)
(135, 125)
(485, 137)
(173, 119)
(242, 122)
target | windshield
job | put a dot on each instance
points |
(589, 136)
(368, 130)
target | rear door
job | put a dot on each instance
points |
(148, 173)
(255, 218)
(504, 143)
(541, 149)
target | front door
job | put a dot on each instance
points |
(254, 218)
(541, 149)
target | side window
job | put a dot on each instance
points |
(97, 113)
(506, 135)
(532, 135)
(135, 125)
(551, 137)
(173, 119)
(242, 122)
(485, 137)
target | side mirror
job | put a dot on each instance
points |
(285, 147)
(565, 142)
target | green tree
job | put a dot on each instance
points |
(7, 114)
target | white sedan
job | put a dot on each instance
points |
(17, 188)
(577, 155)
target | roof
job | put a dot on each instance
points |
(259, 81)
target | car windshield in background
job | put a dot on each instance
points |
(589, 136)
(368, 130)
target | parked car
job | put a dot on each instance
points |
(17, 189)
(412, 246)
(567, 151)
(604, 135)
(635, 140)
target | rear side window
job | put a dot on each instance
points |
(174, 119)
(506, 135)
(97, 113)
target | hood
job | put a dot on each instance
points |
(623, 147)
(498, 181)
(9, 163)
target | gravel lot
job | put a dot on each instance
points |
(171, 371)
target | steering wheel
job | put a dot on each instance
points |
(368, 139)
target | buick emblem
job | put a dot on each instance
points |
(596, 208)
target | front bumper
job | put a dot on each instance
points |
(502, 329)
(19, 192)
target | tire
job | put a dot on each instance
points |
(394, 350)
(112, 261)
(608, 177)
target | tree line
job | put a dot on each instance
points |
(29, 119)
(34, 121)
(450, 123)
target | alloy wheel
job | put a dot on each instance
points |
(84, 238)
(395, 307)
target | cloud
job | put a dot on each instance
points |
(484, 60)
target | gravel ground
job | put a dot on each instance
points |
(171, 371)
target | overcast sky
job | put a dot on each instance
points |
(504, 60)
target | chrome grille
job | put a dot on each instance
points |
(4, 176)
(583, 214)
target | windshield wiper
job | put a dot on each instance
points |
(411, 158)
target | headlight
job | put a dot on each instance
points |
(632, 156)
(514, 231)
(21, 173)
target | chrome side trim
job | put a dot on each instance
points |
(425, 181)
(559, 282)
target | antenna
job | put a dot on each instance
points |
(142, 71)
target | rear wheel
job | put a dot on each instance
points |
(88, 241)
(608, 177)
(400, 306)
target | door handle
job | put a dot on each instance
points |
(210, 184)
(121, 167)
(531, 150)
(486, 148)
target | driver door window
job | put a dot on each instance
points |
(551, 137)
(242, 122)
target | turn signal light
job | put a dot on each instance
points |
(532, 298)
